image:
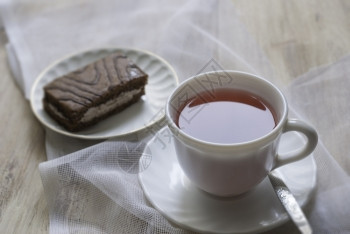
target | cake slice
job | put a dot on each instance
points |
(84, 97)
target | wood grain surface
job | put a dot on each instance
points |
(22, 147)
(295, 35)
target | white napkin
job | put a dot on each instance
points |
(41, 33)
(321, 96)
(87, 188)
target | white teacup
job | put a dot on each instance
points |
(233, 169)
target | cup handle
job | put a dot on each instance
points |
(312, 138)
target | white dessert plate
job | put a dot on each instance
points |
(172, 194)
(161, 81)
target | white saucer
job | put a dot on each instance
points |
(172, 194)
(161, 82)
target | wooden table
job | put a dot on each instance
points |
(295, 35)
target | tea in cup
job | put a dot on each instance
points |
(227, 126)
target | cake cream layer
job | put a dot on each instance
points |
(76, 92)
(101, 109)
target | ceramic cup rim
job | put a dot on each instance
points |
(211, 146)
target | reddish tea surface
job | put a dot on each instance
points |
(226, 116)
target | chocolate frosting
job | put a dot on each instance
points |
(93, 84)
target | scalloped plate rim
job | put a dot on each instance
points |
(110, 49)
